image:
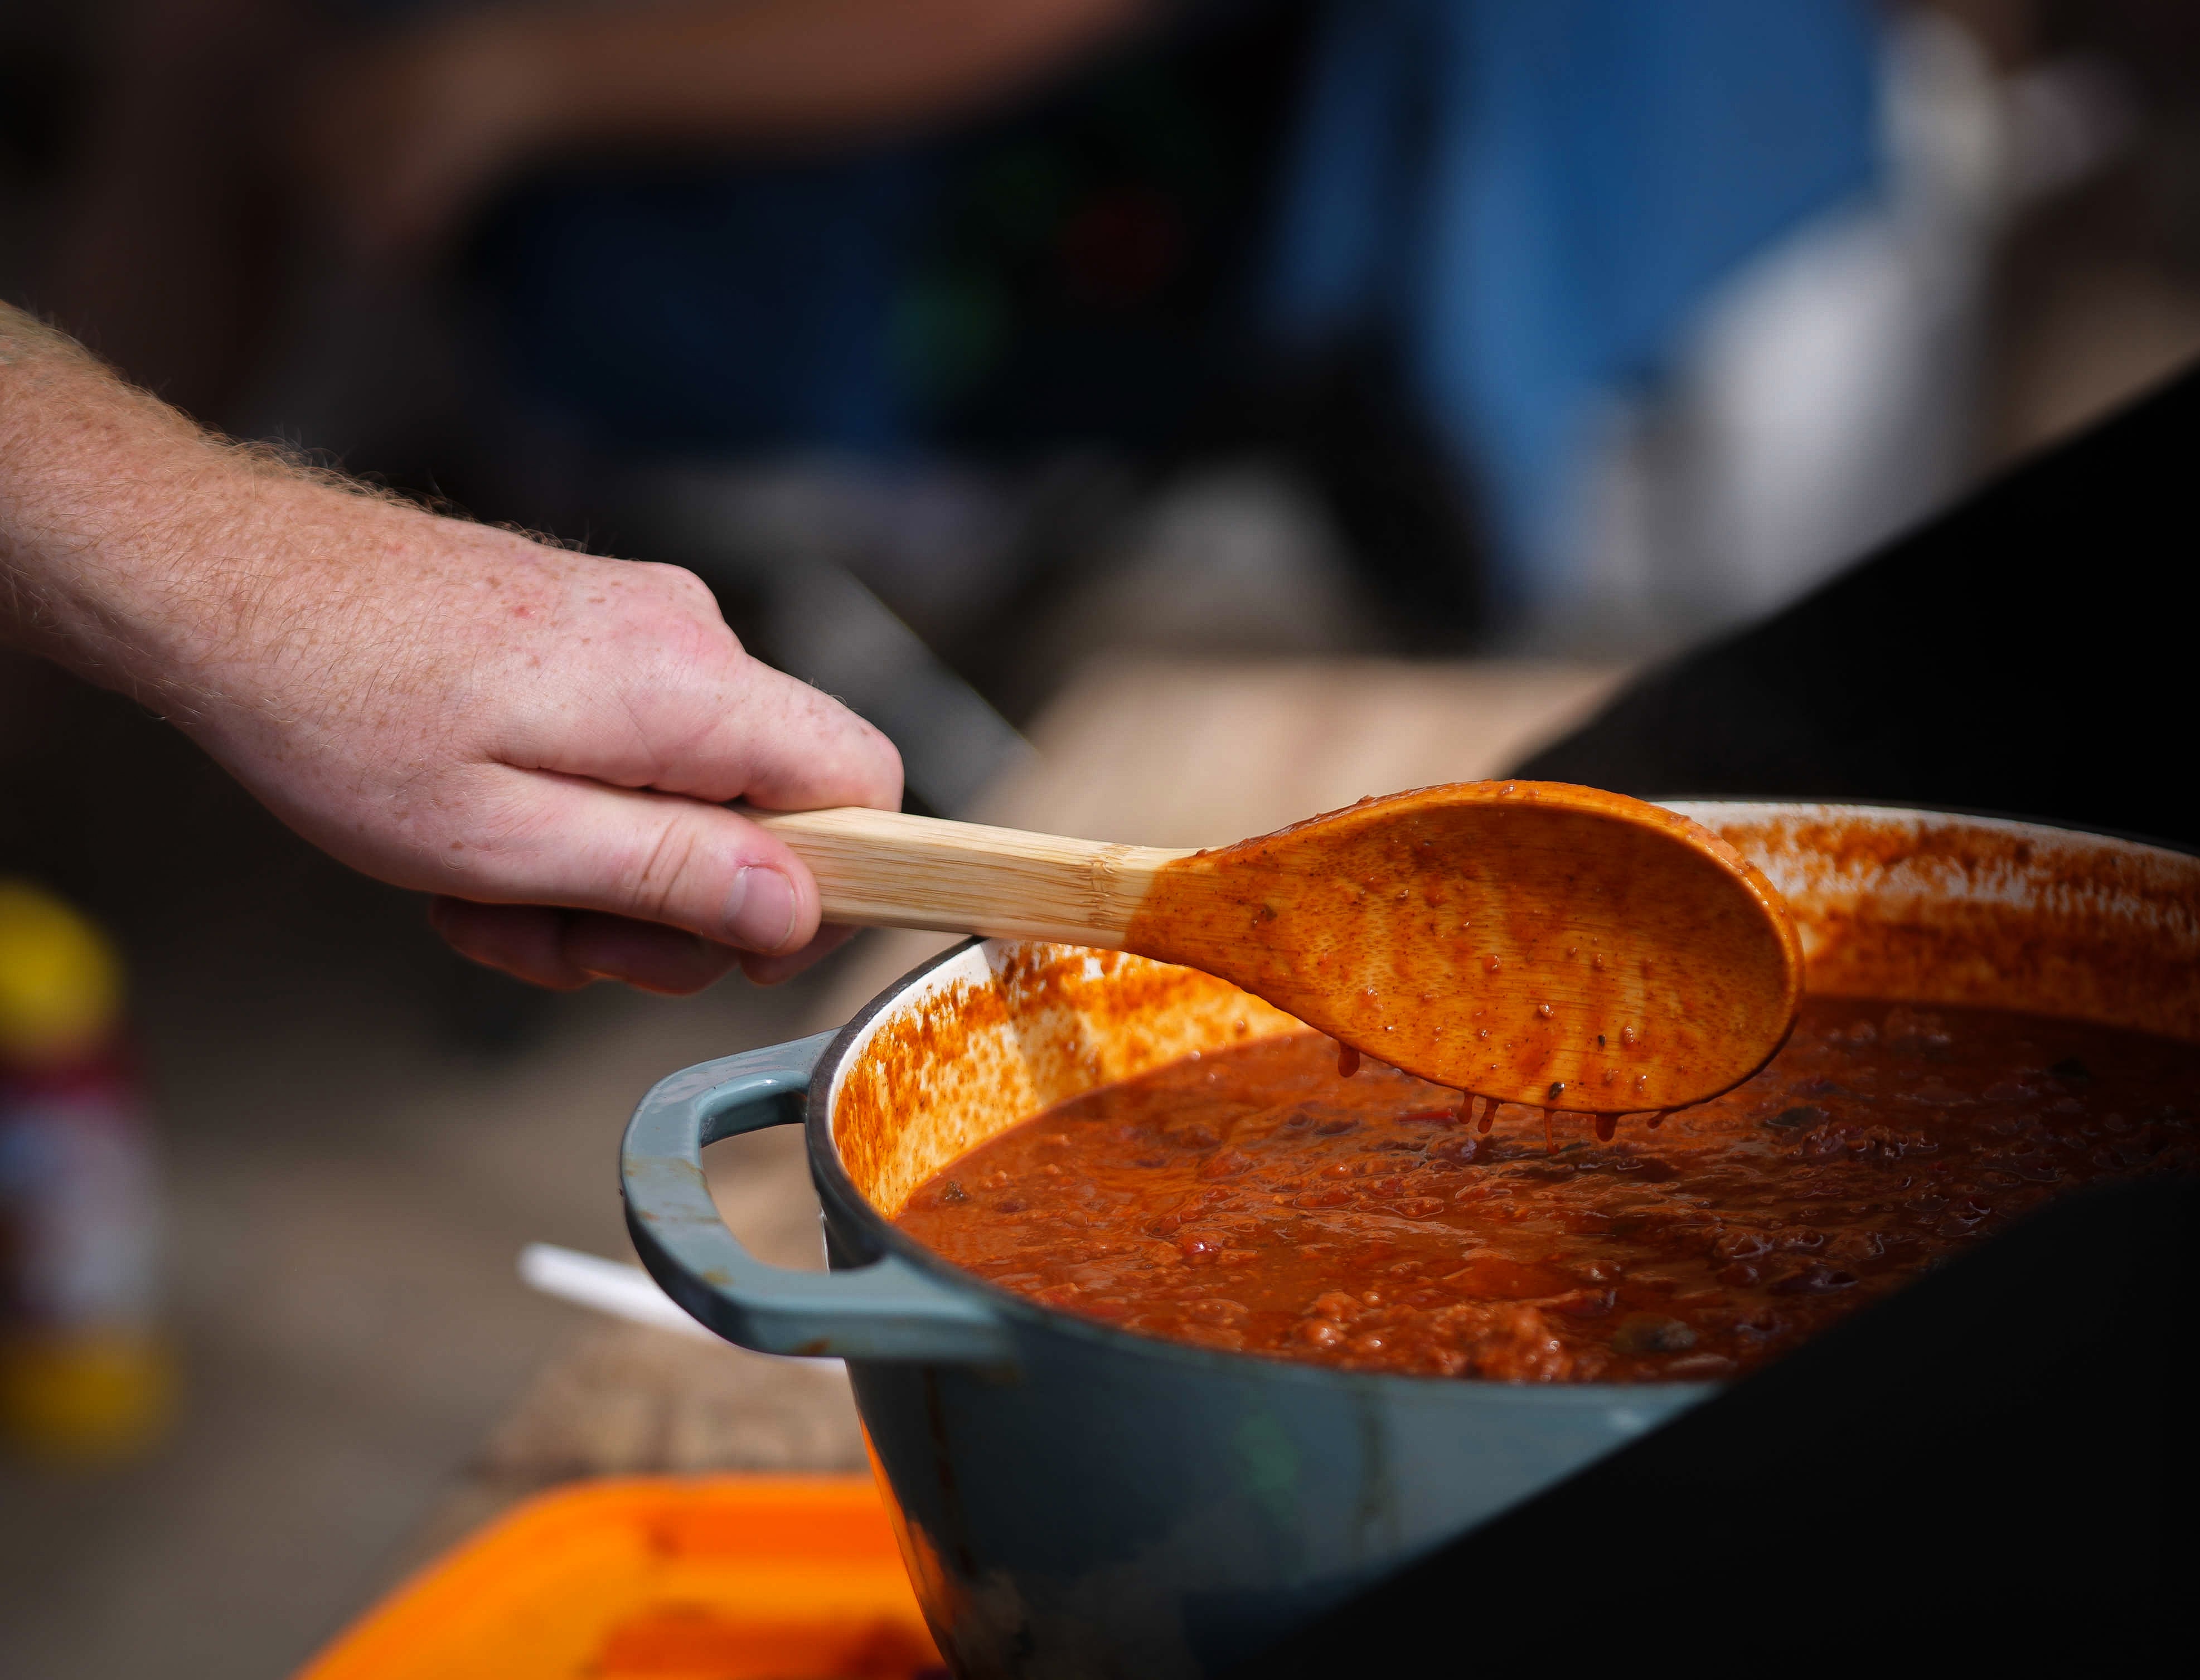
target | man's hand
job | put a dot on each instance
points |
(543, 739)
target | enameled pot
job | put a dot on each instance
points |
(1075, 1500)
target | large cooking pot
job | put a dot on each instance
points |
(1077, 1500)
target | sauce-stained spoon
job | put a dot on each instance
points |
(1530, 941)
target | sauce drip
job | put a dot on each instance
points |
(1251, 1200)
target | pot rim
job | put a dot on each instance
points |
(840, 1196)
(1899, 807)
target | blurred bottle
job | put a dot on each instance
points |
(84, 1370)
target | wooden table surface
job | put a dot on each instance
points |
(1161, 755)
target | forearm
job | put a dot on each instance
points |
(126, 534)
(706, 70)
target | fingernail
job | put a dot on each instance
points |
(760, 909)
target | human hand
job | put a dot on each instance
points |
(543, 739)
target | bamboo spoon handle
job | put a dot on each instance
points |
(883, 869)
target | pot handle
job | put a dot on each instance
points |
(888, 1310)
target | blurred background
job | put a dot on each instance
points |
(1136, 409)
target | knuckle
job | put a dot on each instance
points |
(686, 649)
(681, 589)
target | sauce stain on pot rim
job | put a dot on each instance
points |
(1991, 912)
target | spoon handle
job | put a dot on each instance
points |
(883, 869)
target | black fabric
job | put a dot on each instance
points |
(2031, 653)
(1993, 1471)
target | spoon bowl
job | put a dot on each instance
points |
(1530, 941)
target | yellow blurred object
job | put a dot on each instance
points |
(84, 1373)
(722, 1578)
(60, 985)
(85, 1394)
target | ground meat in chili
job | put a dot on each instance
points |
(1254, 1199)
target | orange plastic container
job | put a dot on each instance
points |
(732, 1577)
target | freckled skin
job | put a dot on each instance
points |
(541, 737)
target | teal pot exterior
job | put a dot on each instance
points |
(1076, 1501)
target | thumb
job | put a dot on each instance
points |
(655, 857)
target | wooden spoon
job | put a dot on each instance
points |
(1530, 942)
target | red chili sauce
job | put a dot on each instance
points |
(1256, 1199)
